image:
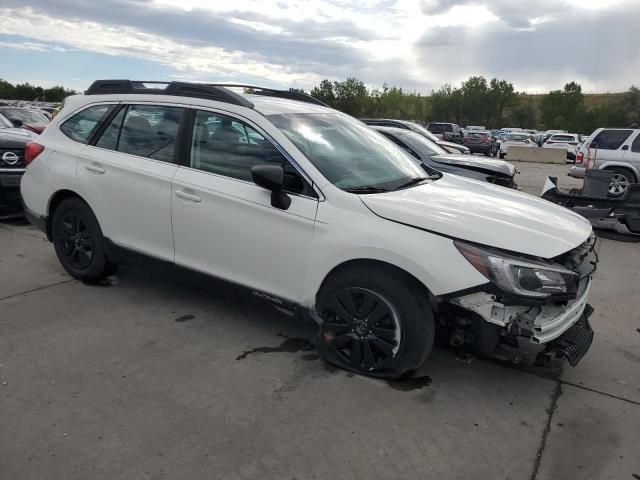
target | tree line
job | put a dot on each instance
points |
(477, 101)
(26, 91)
(493, 103)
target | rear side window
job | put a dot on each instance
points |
(611, 139)
(635, 146)
(82, 125)
(149, 131)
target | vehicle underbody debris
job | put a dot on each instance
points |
(621, 214)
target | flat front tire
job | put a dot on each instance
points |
(374, 321)
(78, 240)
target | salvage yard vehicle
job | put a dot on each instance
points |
(433, 157)
(614, 149)
(449, 132)
(12, 165)
(314, 212)
(566, 141)
(515, 139)
(478, 142)
(28, 119)
(415, 127)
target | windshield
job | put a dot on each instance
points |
(416, 127)
(27, 116)
(4, 122)
(420, 144)
(347, 152)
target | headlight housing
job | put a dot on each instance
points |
(524, 277)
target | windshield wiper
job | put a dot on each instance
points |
(366, 189)
(415, 181)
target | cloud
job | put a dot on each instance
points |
(415, 45)
(594, 48)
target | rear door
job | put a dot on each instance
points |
(126, 172)
(632, 154)
(608, 145)
(225, 225)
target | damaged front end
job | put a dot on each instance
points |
(530, 307)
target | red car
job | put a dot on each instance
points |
(25, 118)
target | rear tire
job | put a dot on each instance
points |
(376, 321)
(619, 184)
(78, 240)
(502, 155)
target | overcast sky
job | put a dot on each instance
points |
(415, 44)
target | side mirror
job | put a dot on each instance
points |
(17, 122)
(271, 177)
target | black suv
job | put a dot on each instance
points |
(449, 132)
(12, 145)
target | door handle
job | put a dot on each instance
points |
(188, 196)
(95, 168)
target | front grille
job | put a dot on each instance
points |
(7, 160)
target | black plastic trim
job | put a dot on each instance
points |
(41, 222)
(181, 89)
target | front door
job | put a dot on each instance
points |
(224, 224)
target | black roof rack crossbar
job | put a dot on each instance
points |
(183, 89)
(272, 92)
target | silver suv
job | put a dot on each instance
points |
(615, 149)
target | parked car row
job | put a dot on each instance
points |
(375, 241)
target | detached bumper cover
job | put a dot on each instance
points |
(619, 214)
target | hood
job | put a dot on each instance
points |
(15, 137)
(477, 163)
(484, 213)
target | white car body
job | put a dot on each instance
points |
(566, 141)
(515, 139)
(229, 229)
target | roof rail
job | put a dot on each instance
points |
(272, 92)
(183, 89)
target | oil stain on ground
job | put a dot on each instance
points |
(185, 318)
(408, 384)
(290, 345)
(109, 281)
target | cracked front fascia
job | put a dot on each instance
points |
(485, 305)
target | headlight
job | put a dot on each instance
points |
(519, 276)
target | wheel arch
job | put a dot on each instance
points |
(56, 199)
(623, 165)
(372, 263)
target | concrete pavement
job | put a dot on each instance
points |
(168, 374)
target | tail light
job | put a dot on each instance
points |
(579, 157)
(465, 138)
(31, 151)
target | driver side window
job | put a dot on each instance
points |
(227, 146)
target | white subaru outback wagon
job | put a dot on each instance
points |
(316, 213)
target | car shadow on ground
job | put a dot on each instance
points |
(291, 334)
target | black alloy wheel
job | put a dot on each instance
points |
(362, 329)
(78, 241)
(78, 244)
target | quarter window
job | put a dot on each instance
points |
(611, 139)
(635, 146)
(81, 126)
